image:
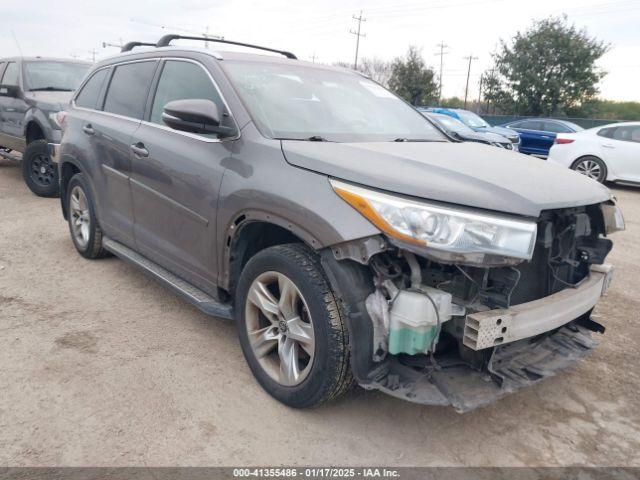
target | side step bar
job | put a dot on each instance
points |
(12, 156)
(200, 299)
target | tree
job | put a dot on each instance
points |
(546, 70)
(376, 69)
(412, 79)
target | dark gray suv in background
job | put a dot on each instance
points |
(347, 237)
(32, 91)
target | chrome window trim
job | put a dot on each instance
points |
(156, 125)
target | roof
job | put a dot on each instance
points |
(221, 55)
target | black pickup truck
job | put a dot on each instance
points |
(32, 92)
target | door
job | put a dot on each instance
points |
(550, 131)
(176, 177)
(529, 131)
(110, 130)
(621, 151)
(12, 110)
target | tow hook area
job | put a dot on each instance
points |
(510, 368)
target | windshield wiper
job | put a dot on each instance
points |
(50, 89)
(312, 138)
(414, 140)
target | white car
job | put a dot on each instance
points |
(610, 152)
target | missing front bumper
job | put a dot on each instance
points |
(501, 326)
(510, 368)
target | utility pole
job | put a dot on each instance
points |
(358, 35)
(480, 94)
(313, 58)
(466, 90)
(93, 54)
(442, 53)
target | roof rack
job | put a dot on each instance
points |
(167, 39)
(131, 45)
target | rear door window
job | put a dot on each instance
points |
(88, 96)
(11, 74)
(530, 125)
(555, 127)
(128, 89)
(607, 132)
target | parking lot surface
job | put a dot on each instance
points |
(99, 365)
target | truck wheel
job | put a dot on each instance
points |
(39, 172)
(291, 327)
(83, 223)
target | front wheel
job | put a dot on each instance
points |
(291, 327)
(38, 171)
(592, 167)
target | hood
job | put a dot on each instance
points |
(486, 137)
(505, 132)
(469, 174)
(52, 100)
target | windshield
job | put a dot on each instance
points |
(450, 123)
(307, 103)
(58, 76)
(471, 119)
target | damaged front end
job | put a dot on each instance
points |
(439, 326)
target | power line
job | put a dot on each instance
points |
(358, 35)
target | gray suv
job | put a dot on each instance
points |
(32, 92)
(350, 241)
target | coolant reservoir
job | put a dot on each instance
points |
(413, 323)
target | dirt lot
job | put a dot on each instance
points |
(100, 366)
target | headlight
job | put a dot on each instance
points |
(613, 219)
(463, 235)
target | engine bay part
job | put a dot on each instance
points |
(459, 334)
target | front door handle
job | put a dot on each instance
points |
(88, 129)
(9, 109)
(139, 150)
(607, 145)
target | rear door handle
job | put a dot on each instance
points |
(9, 109)
(607, 145)
(139, 150)
(88, 129)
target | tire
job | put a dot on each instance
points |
(323, 364)
(592, 167)
(39, 172)
(83, 223)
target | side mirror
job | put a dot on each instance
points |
(11, 91)
(195, 116)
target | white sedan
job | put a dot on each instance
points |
(610, 152)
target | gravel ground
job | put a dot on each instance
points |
(101, 366)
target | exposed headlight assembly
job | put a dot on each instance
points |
(446, 234)
(613, 219)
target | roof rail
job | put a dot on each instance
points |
(131, 45)
(167, 39)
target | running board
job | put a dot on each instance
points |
(14, 157)
(200, 299)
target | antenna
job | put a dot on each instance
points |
(17, 43)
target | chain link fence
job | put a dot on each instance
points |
(583, 122)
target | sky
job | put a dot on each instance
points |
(320, 31)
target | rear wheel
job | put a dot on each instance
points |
(39, 172)
(592, 167)
(83, 223)
(291, 327)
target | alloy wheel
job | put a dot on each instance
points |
(280, 328)
(80, 219)
(589, 168)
